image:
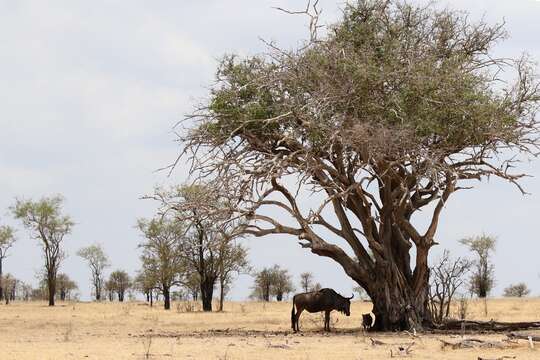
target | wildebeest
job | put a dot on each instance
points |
(323, 300)
(367, 321)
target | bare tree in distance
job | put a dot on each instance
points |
(361, 294)
(282, 283)
(145, 282)
(393, 110)
(65, 286)
(8, 283)
(97, 261)
(162, 257)
(272, 281)
(447, 276)
(7, 239)
(120, 282)
(232, 260)
(483, 278)
(109, 288)
(306, 281)
(210, 234)
(262, 287)
(517, 290)
(47, 224)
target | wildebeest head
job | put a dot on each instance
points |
(344, 304)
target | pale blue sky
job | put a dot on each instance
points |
(90, 92)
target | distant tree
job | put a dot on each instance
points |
(232, 259)
(361, 294)
(7, 239)
(306, 281)
(210, 236)
(119, 281)
(281, 282)
(146, 283)
(162, 256)
(65, 286)
(316, 287)
(44, 220)
(483, 276)
(193, 285)
(26, 291)
(262, 287)
(446, 277)
(97, 261)
(517, 290)
(109, 290)
(8, 287)
(273, 281)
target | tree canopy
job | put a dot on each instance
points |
(392, 110)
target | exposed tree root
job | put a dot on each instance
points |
(494, 326)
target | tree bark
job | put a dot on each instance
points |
(51, 284)
(167, 298)
(221, 295)
(207, 292)
(1, 289)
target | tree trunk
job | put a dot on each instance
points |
(221, 295)
(207, 292)
(121, 296)
(167, 298)
(279, 296)
(1, 289)
(400, 299)
(51, 284)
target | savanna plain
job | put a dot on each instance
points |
(245, 330)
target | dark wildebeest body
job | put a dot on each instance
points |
(323, 300)
(367, 321)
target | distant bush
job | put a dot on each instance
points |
(517, 290)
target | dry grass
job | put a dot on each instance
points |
(244, 331)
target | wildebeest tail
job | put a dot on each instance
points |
(293, 315)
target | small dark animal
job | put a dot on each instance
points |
(367, 321)
(323, 300)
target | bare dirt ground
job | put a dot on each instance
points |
(244, 331)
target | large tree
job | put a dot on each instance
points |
(47, 224)
(97, 261)
(7, 239)
(385, 115)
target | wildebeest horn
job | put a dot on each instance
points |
(351, 297)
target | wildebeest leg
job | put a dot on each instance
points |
(297, 317)
(327, 320)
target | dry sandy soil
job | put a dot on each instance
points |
(244, 331)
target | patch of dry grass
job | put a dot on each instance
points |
(246, 330)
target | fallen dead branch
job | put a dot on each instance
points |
(375, 342)
(473, 343)
(488, 325)
(499, 358)
(523, 337)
